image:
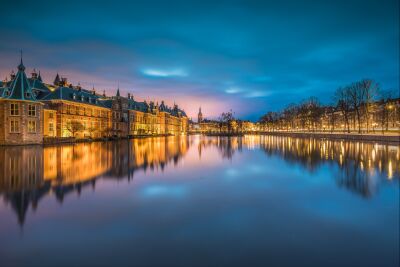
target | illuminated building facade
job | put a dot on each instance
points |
(31, 110)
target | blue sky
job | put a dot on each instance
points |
(248, 56)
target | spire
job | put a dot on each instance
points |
(57, 79)
(118, 94)
(20, 88)
(21, 66)
(39, 77)
(104, 93)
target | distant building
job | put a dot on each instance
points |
(199, 116)
(31, 110)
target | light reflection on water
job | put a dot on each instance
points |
(199, 194)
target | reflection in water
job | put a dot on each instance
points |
(29, 173)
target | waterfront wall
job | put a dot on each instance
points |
(354, 137)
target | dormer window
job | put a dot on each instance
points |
(82, 98)
(27, 95)
(74, 96)
(7, 93)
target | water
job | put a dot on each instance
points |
(201, 201)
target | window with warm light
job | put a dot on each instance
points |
(14, 109)
(14, 126)
(31, 126)
(31, 110)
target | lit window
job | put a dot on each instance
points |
(51, 126)
(14, 126)
(31, 110)
(51, 115)
(31, 126)
(14, 109)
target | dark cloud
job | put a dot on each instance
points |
(246, 55)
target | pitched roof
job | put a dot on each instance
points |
(74, 95)
(19, 88)
(37, 84)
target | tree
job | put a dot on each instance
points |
(342, 100)
(356, 95)
(331, 117)
(314, 111)
(289, 115)
(385, 98)
(226, 118)
(74, 127)
(370, 92)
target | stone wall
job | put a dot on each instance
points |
(23, 136)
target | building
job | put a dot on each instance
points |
(31, 111)
(21, 114)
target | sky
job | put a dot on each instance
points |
(246, 56)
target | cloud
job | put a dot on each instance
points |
(165, 73)
(238, 55)
(233, 90)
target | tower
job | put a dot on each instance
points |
(200, 116)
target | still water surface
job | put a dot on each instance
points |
(201, 201)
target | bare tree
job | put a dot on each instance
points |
(226, 118)
(370, 92)
(342, 100)
(356, 95)
(74, 127)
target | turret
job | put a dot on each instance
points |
(39, 77)
(34, 74)
(12, 75)
(57, 80)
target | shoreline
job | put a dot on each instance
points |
(341, 136)
(51, 141)
(393, 139)
(336, 136)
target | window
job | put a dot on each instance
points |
(31, 126)
(31, 110)
(51, 126)
(14, 126)
(14, 109)
(51, 115)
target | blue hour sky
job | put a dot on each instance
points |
(248, 56)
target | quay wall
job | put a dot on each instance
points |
(353, 137)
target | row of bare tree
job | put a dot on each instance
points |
(353, 105)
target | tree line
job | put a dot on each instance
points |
(359, 106)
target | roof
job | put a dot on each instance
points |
(37, 84)
(74, 95)
(19, 88)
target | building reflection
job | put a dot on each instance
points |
(29, 173)
(357, 162)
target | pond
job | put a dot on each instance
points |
(201, 201)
